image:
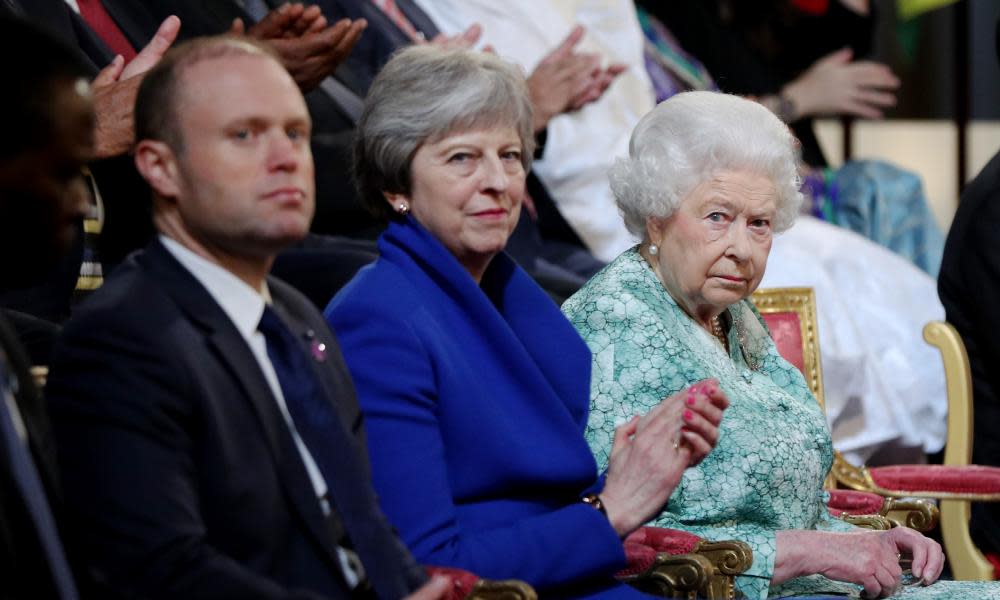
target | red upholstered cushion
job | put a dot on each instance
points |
(638, 557)
(966, 479)
(995, 561)
(461, 581)
(671, 541)
(786, 331)
(850, 502)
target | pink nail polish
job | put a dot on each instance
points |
(690, 401)
(688, 415)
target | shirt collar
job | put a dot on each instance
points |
(241, 303)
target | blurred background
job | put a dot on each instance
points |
(946, 124)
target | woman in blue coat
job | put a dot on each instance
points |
(474, 386)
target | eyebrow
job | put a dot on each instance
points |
(717, 200)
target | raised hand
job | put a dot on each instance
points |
(115, 88)
(464, 40)
(566, 80)
(836, 84)
(649, 453)
(308, 47)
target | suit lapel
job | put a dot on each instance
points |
(232, 351)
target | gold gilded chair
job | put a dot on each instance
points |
(676, 564)
(469, 586)
(907, 489)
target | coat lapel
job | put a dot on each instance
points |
(232, 351)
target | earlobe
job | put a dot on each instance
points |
(156, 163)
(399, 203)
(654, 229)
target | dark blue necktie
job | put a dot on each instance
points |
(326, 437)
(29, 485)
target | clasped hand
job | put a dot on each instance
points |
(308, 48)
(649, 453)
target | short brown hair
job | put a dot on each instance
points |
(155, 102)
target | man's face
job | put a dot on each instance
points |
(43, 193)
(244, 178)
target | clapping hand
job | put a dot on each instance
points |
(309, 48)
(115, 88)
(649, 453)
(566, 80)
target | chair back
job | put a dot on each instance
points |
(790, 314)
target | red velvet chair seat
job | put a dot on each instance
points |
(461, 581)
(638, 557)
(934, 480)
(850, 502)
(671, 541)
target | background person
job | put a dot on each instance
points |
(49, 121)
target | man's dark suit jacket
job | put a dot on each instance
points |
(969, 287)
(24, 568)
(181, 476)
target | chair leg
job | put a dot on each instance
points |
(966, 561)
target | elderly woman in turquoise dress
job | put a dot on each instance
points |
(710, 178)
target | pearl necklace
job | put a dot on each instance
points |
(719, 333)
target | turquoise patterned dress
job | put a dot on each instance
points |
(774, 449)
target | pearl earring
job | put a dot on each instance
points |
(403, 208)
(654, 249)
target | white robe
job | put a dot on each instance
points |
(884, 384)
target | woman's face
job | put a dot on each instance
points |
(713, 249)
(466, 189)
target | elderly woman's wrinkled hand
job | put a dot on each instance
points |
(870, 559)
(650, 453)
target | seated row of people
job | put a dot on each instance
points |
(210, 443)
(885, 388)
(871, 330)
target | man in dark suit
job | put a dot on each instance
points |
(210, 442)
(48, 122)
(969, 287)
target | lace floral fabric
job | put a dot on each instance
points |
(774, 449)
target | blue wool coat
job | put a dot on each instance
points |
(475, 400)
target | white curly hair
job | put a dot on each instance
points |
(690, 137)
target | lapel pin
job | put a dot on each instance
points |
(316, 347)
(318, 350)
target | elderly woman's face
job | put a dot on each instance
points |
(466, 189)
(713, 249)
